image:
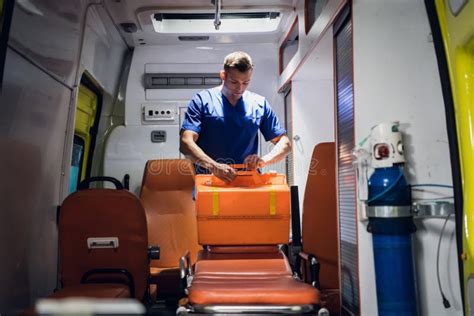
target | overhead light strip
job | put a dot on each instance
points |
(211, 16)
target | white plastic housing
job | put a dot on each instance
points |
(387, 135)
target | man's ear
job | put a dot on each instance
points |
(222, 75)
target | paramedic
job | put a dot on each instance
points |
(221, 124)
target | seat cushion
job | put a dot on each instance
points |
(242, 264)
(249, 290)
(247, 278)
(103, 290)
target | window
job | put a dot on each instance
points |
(85, 130)
(312, 11)
(289, 47)
(6, 10)
(76, 163)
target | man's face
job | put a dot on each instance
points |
(235, 82)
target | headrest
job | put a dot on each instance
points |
(168, 175)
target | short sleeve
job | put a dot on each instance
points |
(270, 124)
(193, 117)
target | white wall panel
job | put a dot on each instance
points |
(396, 78)
(189, 58)
(103, 49)
(313, 108)
(40, 70)
(307, 42)
(313, 114)
(182, 59)
(129, 147)
(33, 115)
(48, 32)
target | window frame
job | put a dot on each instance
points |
(288, 108)
(308, 27)
(294, 25)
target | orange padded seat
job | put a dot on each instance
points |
(320, 222)
(89, 220)
(166, 195)
(277, 290)
(242, 264)
(247, 278)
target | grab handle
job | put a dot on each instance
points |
(242, 170)
(244, 177)
(86, 182)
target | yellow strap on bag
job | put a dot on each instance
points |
(215, 202)
(273, 201)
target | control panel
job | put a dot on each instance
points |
(165, 113)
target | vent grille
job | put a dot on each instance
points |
(193, 38)
(182, 81)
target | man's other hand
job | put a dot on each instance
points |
(253, 162)
(224, 172)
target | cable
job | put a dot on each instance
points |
(445, 300)
(432, 185)
(442, 198)
(446, 303)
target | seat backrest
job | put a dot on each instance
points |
(166, 195)
(103, 213)
(320, 220)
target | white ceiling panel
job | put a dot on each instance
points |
(140, 13)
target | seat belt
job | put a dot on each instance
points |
(295, 246)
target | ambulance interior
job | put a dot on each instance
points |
(100, 89)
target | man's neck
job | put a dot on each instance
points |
(233, 101)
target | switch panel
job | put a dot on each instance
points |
(166, 113)
(158, 136)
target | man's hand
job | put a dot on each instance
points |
(252, 162)
(224, 172)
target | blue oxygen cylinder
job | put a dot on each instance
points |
(391, 225)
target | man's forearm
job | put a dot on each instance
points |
(281, 149)
(193, 152)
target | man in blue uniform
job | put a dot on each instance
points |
(222, 123)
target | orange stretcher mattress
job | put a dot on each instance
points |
(254, 209)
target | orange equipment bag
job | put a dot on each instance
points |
(254, 209)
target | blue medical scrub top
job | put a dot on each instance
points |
(228, 134)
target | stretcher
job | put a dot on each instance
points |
(242, 268)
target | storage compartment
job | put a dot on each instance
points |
(254, 209)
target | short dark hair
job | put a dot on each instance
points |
(238, 60)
